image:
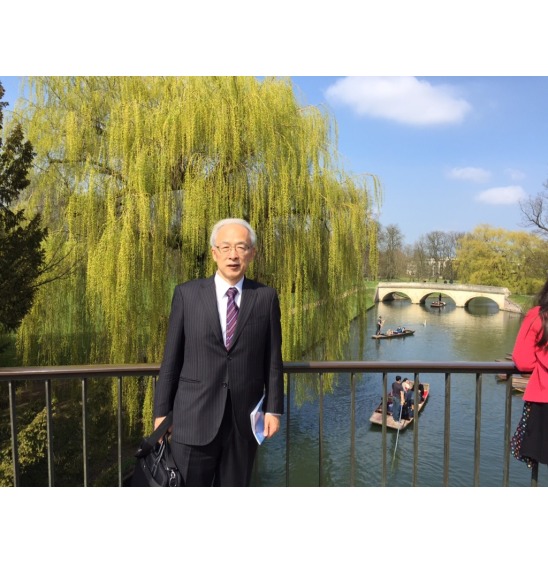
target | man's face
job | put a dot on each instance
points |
(232, 252)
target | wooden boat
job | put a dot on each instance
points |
(393, 334)
(507, 358)
(376, 417)
(519, 382)
(438, 304)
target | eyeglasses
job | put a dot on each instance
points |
(240, 249)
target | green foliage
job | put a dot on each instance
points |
(524, 301)
(33, 440)
(32, 451)
(133, 171)
(516, 260)
(21, 255)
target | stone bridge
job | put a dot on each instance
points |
(461, 294)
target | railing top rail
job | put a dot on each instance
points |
(406, 367)
(104, 370)
(92, 370)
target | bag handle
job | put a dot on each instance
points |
(148, 443)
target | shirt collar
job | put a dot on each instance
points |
(221, 285)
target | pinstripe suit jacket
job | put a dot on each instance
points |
(197, 370)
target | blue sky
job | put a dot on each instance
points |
(451, 152)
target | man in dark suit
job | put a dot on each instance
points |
(211, 385)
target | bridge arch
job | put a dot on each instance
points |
(444, 295)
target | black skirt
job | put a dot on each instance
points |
(535, 439)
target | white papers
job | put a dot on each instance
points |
(257, 421)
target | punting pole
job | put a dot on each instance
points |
(397, 436)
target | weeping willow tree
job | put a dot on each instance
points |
(132, 172)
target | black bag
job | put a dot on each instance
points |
(155, 466)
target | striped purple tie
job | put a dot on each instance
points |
(231, 315)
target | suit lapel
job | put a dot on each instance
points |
(247, 304)
(209, 300)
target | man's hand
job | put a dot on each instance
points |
(158, 421)
(271, 425)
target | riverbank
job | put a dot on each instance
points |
(522, 302)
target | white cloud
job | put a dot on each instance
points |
(471, 174)
(508, 195)
(514, 174)
(403, 99)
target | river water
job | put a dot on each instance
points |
(478, 333)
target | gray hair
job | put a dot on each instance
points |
(232, 221)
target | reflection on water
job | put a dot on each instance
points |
(478, 333)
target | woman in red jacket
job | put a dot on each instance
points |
(530, 443)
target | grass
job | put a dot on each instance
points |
(524, 301)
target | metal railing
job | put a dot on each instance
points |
(291, 369)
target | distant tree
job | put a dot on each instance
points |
(371, 252)
(392, 261)
(435, 243)
(21, 256)
(451, 244)
(513, 259)
(535, 212)
(421, 266)
(434, 254)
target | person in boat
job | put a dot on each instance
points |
(380, 322)
(397, 398)
(421, 392)
(407, 411)
(410, 400)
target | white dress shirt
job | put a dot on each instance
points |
(221, 287)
